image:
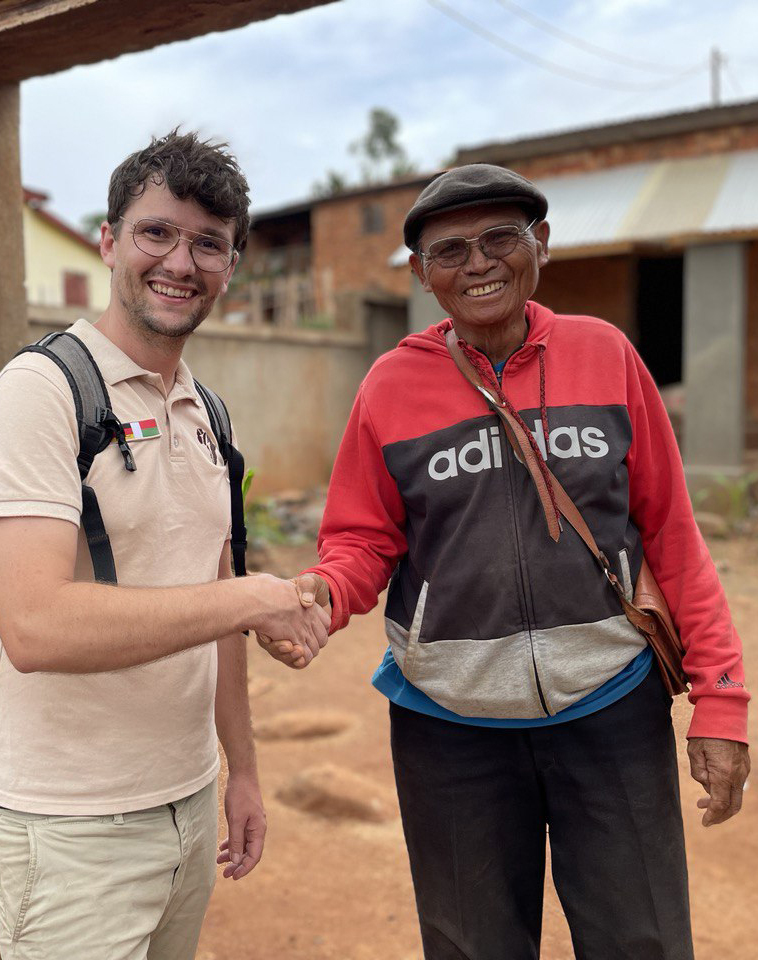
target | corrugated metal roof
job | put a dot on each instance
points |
(649, 203)
(736, 207)
(587, 209)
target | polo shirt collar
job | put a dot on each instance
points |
(184, 385)
(115, 366)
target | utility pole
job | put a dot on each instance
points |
(718, 60)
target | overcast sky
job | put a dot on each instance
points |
(290, 94)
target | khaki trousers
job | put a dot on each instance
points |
(130, 886)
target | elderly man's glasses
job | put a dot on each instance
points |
(158, 238)
(495, 243)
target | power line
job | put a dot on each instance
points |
(733, 80)
(619, 59)
(638, 98)
(517, 51)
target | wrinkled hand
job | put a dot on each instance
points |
(311, 589)
(722, 766)
(246, 819)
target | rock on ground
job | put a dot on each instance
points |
(302, 725)
(337, 793)
(712, 524)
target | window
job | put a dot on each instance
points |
(373, 218)
(75, 289)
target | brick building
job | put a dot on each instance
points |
(654, 227)
(313, 261)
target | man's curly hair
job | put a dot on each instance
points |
(192, 169)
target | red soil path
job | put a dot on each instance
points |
(339, 889)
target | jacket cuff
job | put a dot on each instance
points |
(721, 718)
(334, 598)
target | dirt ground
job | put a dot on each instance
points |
(337, 886)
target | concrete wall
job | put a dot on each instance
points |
(423, 308)
(289, 395)
(50, 254)
(714, 356)
(751, 320)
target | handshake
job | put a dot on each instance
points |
(298, 650)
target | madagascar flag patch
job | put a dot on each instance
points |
(140, 430)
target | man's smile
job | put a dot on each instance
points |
(172, 291)
(484, 289)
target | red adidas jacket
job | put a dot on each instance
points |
(485, 613)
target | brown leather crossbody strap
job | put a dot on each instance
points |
(515, 433)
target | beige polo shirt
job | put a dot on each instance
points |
(134, 738)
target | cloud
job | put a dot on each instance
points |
(291, 93)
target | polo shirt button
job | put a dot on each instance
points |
(176, 441)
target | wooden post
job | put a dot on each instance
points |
(13, 322)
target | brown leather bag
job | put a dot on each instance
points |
(661, 633)
(647, 611)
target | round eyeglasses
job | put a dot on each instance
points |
(157, 238)
(495, 243)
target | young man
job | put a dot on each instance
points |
(108, 750)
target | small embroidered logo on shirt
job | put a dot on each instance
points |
(140, 430)
(205, 440)
(725, 681)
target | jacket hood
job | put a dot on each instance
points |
(541, 321)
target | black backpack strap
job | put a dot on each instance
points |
(235, 464)
(97, 427)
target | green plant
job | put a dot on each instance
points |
(316, 321)
(246, 482)
(734, 497)
(260, 522)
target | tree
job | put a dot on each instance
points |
(332, 184)
(380, 154)
(90, 224)
(382, 157)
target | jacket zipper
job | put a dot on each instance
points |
(519, 554)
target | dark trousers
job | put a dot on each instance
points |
(476, 803)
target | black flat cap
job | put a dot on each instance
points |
(472, 184)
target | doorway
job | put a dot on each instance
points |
(659, 316)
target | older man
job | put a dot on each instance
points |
(522, 699)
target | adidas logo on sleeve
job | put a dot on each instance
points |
(724, 682)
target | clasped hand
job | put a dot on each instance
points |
(295, 652)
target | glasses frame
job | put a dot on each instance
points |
(180, 230)
(518, 234)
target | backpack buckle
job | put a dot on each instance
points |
(113, 426)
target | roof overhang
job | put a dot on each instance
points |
(38, 38)
(660, 126)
